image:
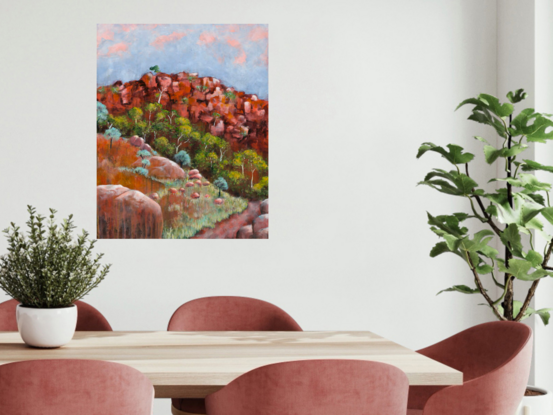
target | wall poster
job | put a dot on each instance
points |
(182, 131)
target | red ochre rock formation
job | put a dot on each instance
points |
(243, 118)
(127, 214)
(162, 168)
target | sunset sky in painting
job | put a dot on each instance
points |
(235, 54)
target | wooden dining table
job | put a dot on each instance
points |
(195, 364)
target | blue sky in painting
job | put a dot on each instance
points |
(235, 54)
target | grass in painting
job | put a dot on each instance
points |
(184, 216)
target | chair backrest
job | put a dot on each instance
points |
(71, 387)
(88, 318)
(231, 314)
(482, 348)
(314, 387)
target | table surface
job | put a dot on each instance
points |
(195, 364)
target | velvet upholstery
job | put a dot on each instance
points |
(73, 387)
(88, 318)
(314, 387)
(226, 314)
(495, 360)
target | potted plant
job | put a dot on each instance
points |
(47, 271)
(512, 214)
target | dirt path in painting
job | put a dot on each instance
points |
(227, 229)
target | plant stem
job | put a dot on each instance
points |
(534, 286)
(483, 291)
(509, 294)
(488, 217)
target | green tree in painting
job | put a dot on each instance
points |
(222, 146)
(142, 171)
(171, 115)
(136, 114)
(101, 113)
(216, 117)
(112, 134)
(164, 146)
(255, 163)
(145, 163)
(121, 122)
(151, 108)
(220, 184)
(182, 132)
(183, 158)
(155, 69)
(143, 153)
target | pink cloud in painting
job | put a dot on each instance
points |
(103, 34)
(118, 49)
(265, 57)
(240, 59)
(258, 33)
(206, 38)
(160, 41)
(128, 27)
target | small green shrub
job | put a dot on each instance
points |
(47, 268)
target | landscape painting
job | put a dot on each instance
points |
(182, 131)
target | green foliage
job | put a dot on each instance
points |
(221, 184)
(122, 123)
(112, 134)
(512, 212)
(135, 114)
(155, 69)
(164, 147)
(141, 170)
(230, 95)
(145, 163)
(101, 113)
(47, 268)
(183, 158)
(143, 153)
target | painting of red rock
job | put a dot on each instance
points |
(182, 131)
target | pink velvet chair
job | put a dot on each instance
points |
(315, 387)
(73, 387)
(225, 314)
(89, 319)
(495, 360)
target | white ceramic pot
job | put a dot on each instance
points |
(536, 405)
(46, 327)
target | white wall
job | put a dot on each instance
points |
(544, 155)
(355, 87)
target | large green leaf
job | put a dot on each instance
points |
(448, 224)
(461, 289)
(516, 96)
(522, 213)
(491, 153)
(548, 214)
(535, 258)
(544, 315)
(438, 249)
(543, 312)
(455, 183)
(464, 183)
(455, 154)
(511, 238)
(531, 165)
(493, 104)
(485, 107)
(527, 181)
(535, 126)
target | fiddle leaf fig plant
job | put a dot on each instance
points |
(512, 214)
(47, 267)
